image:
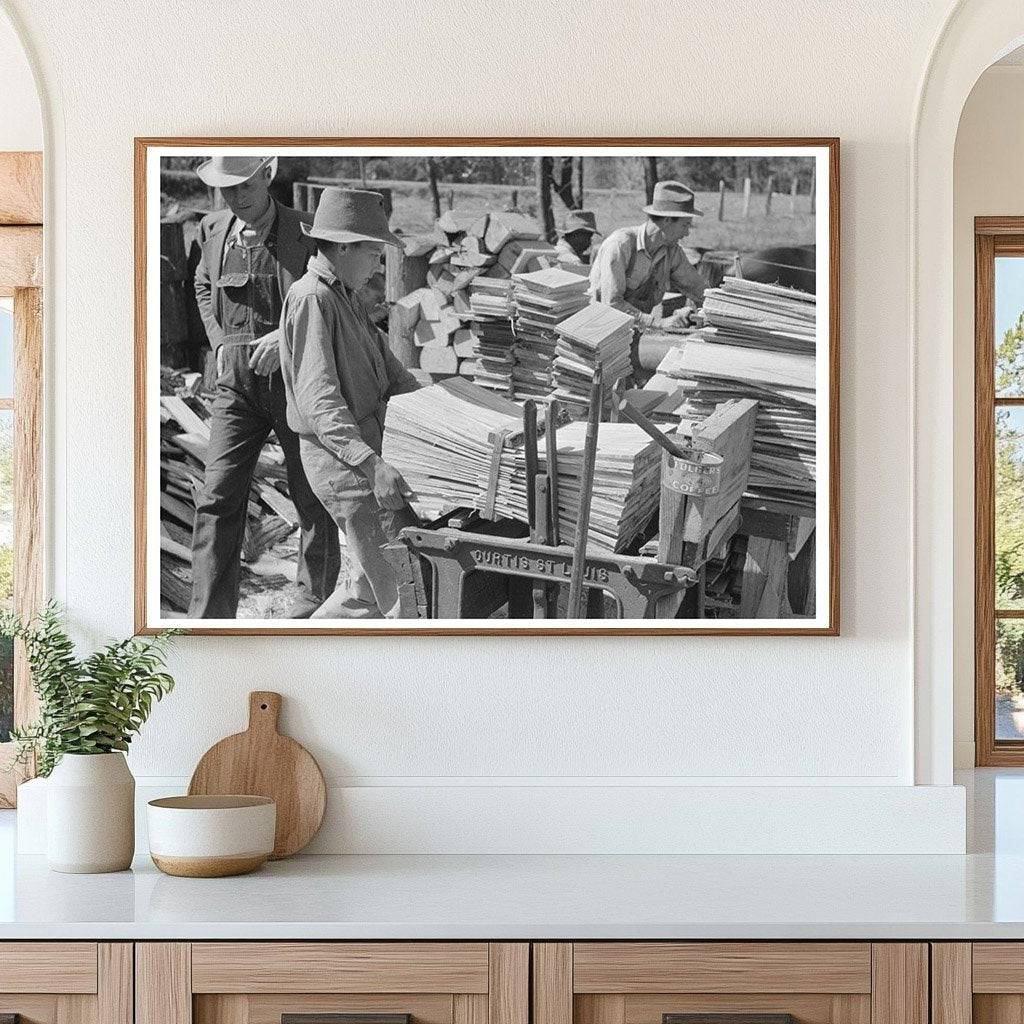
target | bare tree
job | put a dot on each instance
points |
(579, 183)
(562, 182)
(543, 174)
(650, 176)
(435, 195)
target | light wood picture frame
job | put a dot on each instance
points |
(441, 593)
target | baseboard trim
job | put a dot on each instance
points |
(544, 819)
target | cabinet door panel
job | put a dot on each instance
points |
(632, 967)
(267, 1009)
(48, 967)
(806, 1008)
(339, 967)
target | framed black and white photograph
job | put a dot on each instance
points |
(451, 386)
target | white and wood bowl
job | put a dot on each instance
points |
(211, 836)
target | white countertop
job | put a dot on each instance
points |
(977, 896)
(532, 897)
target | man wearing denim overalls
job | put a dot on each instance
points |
(251, 254)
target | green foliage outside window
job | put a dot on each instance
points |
(1009, 508)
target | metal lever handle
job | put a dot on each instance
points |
(728, 1018)
(343, 1018)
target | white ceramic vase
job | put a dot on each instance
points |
(90, 814)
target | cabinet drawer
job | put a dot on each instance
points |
(259, 982)
(340, 967)
(66, 982)
(980, 982)
(48, 967)
(634, 967)
(751, 982)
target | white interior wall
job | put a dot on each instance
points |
(21, 123)
(988, 181)
(431, 715)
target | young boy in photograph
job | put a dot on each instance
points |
(338, 375)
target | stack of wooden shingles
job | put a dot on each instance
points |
(627, 484)
(542, 299)
(758, 342)
(184, 439)
(598, 335)
(461, 319)
(442, 440)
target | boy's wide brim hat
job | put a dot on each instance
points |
(351, 215)
(580, 220)
(672, 199)
(225, 171)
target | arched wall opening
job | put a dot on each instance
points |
(975, 35)
(987, 182)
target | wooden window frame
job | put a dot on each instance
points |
(21, 263)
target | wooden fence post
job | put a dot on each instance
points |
(721, 199)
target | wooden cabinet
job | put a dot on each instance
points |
(66, 982)
(980, 982)
(494, 983)
(815, 982)
(258, 982)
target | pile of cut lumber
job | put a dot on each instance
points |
(598, 335)
(470, 261)
(542, 299)
(184, 439)
(460, 446)
(759, 343)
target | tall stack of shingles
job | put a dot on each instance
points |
(461, 320)
(598, 335)
(758, 341)
(443, 440)
(541, 299)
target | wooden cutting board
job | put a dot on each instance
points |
(262, 762)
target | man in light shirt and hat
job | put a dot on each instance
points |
(252, 252)
(636, 266)
(573, 248)
(338, 375)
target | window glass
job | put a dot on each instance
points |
(6, 349)
(1009, 679)
(1009, 511)
(1009, 327)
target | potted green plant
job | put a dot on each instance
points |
(89, 709)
